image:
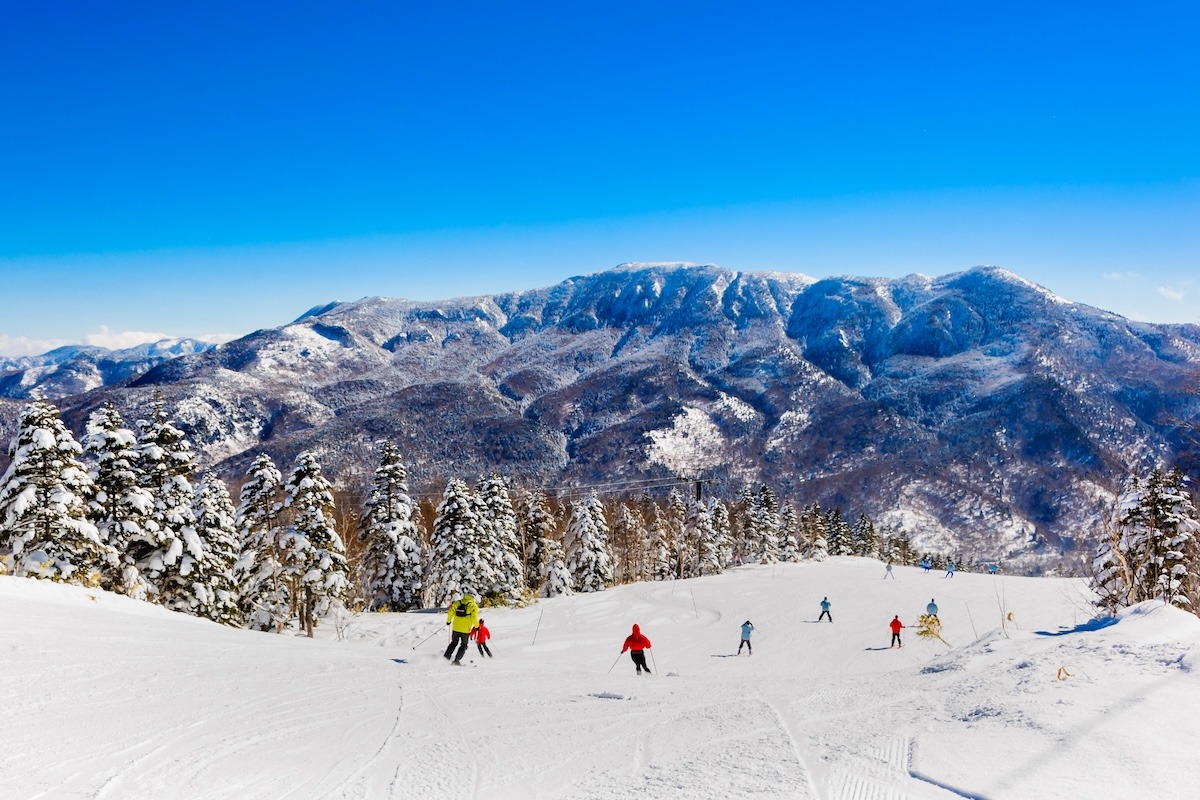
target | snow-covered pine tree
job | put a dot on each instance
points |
(840, 538)
(817, 548)
(766, 513)
(723, 533)
(314, 551)
(586, 545)
(557, 578)
(456, 562)
(168, 543)
(120, 503)
(629, 544)
(1159, 540)
(264, 597)
(392, 568)
(503, 548)
(213, 572)
(789, 525)
(44, 504)
(675, 518)
(708, 556)
(866, 539)
(661, 566)
(539, 527)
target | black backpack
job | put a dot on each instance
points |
(461, 609)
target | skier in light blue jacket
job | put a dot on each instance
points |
(747, 629)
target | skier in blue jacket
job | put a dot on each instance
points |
(825, 610)
(931, 609)
(747, 629)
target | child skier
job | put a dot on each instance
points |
(949, 569)
(636, 643)
(931, 609)
(747, 629)
(825, 610)
(481, 634)
(896, 625)
(888, 573)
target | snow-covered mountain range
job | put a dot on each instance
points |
(80, 368)
(976, 410)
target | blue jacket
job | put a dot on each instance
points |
(931, 609)
(747, 629)
(824, 605)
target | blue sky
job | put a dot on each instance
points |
(208, 169)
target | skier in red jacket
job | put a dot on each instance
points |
(481, 634)
(636, 643)
(896, 626)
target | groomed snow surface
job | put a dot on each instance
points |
(106, 697)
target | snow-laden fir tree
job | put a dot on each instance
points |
(766, 513)
(216, 591)
(723, 533)
(1159, 540)
(166, 461)
(675, 518)
(840, 538)
(866, 539)
(556, 581)
(748, 545)
(392, 568)
(456, 560)
(661, 564)
(44, 504)
(265, 599)
(539, 527)
(120, 503)
(313, 550)
(708, 557)
(789, 525)
(586, 545)
(813, 522)
(503, 546)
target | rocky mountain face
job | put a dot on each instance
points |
(977, 411)
(80, 368)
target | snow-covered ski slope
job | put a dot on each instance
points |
(105, 697)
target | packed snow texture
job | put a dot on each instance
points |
(107, 697)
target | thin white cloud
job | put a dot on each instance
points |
(119, 340)
(1121, 276)
(12, 346)
(1171, 293)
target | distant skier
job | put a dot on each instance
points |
(825, 610)
(747, 629)
(481, 634)
(949, 569)
(462, 616)
(926, 563)
(888, 573)
(636, 643)
(896, 625)
(931, 609)
(994, 568)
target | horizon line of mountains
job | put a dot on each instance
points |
(976, 411)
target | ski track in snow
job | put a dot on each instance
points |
(110, 699)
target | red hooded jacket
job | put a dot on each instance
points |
(480, 633)
(896, 625)
(635, 641)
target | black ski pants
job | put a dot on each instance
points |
(484, 650)
(825, 614)
(747, 643)
(461, 639)
(896, 640)
(639, 659)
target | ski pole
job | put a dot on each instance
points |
(610, 669)
(539, 625)
(426, 639)
(652, 661)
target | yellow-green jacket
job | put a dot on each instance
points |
(470, 615)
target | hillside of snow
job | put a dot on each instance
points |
(106, 697)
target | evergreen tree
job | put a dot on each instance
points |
(392, 563)
(215, 588)
(818, 544)
(866, 539)
(456, 561)
(1159, 539)
(540, 527)
(840, 538)
(166, 460)
(120, 503)
(708, 557)
(627, 533)
(503, 549)
(789, 524)
(556, 580)
(660, 566)
(44, 498)
(317, 562)
(265, 598)
(722, 533)
(586, 547)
